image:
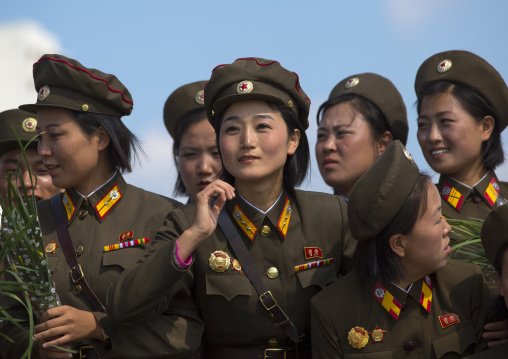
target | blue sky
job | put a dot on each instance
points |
(156, 46)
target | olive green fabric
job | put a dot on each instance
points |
(64, 83)
(497, 352)
(177, 331)
(495, 232)
(470, 70)
(184, 100)
(381, 192)
(459, 289)
(383, 94)
(228, 302)
(268, 80)
(24, 123)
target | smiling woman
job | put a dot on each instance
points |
(85, 147)
(274, 246)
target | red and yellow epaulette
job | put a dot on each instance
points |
(454, 197)
(426, 295)
(285, 216)
(492, 192)
(387, 300)
(107, 202)
(244, 223)
(70, 208)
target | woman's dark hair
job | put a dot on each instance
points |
(297, 164)
(474, 104)
(124, 145)
(498, 310)
(370, 112)
(189, 119)
(374, 259)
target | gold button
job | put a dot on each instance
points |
(265, 230)
(79, 250)
(82, 213)
(77, 289)
(273, 342)
(272, 272)
(84, 107)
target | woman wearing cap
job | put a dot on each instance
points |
(462, 110)
(194, 146)
(495, 241)
(403, 298)
(289, 243)
(85, 147)
(363, 114)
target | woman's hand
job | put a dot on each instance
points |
(496, 333)
(64, 324)
(209, 203)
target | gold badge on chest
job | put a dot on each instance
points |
(358, 337)
(219, 261)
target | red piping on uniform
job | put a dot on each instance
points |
(79, 68)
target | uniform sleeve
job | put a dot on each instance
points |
(154, 280)
(480, 303)
(325, 343)
(21, 338)
(348, 242)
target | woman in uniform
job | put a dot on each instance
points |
(85, 147)
(275, 246)
(462, 110)
(495, 241)
(403, 298)
(194, 146)
(363, 114)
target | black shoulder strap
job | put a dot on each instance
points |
(252, 272)
(77, 275)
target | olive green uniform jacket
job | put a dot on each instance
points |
(462, 202)
(174, 332)
(498, 352)
(227, 301)
(452, 328)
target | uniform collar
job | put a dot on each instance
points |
(249, 219)
(103, 200)
(391, 297)
(456, 193)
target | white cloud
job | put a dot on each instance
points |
(26, 41)
(407, 14)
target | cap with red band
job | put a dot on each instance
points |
(254, 78)
(64, 83)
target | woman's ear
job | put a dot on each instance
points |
(488, 123)
(103, 138)
(294, 141)
(384, 141)
(398, 245)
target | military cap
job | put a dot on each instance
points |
(24, 123)
(495, 232)
(184, 100)
(383, 94)
(467, 69)
(64, 83)
(381, 192)
(254, 78)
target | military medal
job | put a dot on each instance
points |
(358, 337)
(377, 335)
(51, 247)
(237, 266)
(125, 236)
(219, 261)
(314, 264)
(448, 319)
(114, 247)
(313, 252)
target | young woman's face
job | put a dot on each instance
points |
(345, 148)
(70, 155)
(450, 137)
(254, 142)
(426, 247)
(198, 157)
(502, 283)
